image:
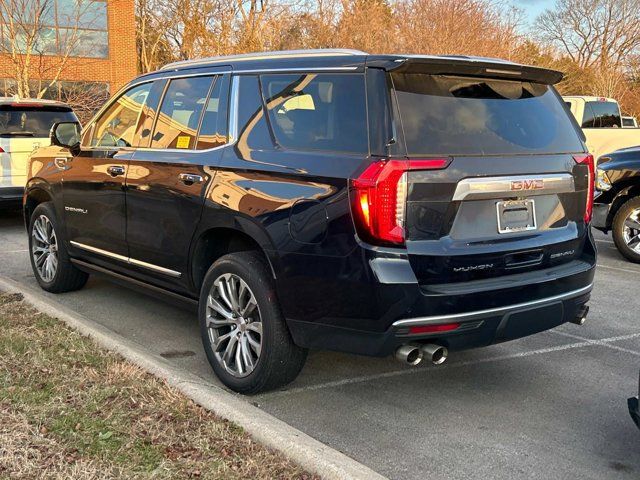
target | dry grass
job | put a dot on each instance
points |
(69, 409)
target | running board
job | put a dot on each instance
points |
(144, 287)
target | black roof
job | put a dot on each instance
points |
(354, 60)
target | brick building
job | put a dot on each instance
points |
(102, 58)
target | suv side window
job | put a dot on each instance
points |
(179, 118)
(117, 125)
(325, 112)
(214, 126)
(149, 113)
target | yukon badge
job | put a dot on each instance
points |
(529, 184)
(473, 268)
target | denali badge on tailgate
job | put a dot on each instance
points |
(529, 184)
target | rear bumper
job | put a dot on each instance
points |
(11, 195)
(601, 216)
(477, 328)
(634, 410)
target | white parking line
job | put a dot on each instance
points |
(604, 343)
(603, 241)
(413, 371)
(397, 373)
(628, 270)
(13, 251)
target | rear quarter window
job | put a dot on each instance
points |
(449, 115)
(324, 112)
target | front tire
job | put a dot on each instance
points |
(243, 331)
(49, 258)
(626, 229)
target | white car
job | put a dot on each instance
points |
(24, 127)
(601, 122)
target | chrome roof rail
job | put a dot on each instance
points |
(324, 52)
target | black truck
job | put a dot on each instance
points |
(617, 200)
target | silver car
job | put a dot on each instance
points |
(24, 127)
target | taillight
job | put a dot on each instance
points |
(590, 162)
(379, 197)
(444, 327)
(1, 150)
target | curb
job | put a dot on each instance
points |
(266, 429)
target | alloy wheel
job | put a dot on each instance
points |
(631, 230)
(44, 248)
(234, 325)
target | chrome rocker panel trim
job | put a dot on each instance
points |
(129, 260)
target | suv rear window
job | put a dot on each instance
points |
(32, 121)
(448, 115)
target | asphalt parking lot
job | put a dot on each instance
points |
(549, 406)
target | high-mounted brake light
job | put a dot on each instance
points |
(379, 196)
(589, 161)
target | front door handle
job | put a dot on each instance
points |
(115, 170)
(190, 178)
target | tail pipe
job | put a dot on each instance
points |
(436, 353)
(581, 316)
(413, 354)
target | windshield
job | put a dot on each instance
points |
(449, 115)
(32, 121)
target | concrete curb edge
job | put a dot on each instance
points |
(299, 447)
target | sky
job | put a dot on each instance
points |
(532, 8)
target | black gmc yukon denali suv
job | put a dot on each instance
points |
(372, 204)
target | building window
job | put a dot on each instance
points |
(77, 28)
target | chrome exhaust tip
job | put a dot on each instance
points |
(409, 354)
(436, 353)
(581, 317)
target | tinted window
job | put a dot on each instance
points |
(213, 131)
(31, 121)
(588, 118)
(446, 115)
(254, 132)
(317, 111)
(628, 122)
(606, 114)
(179, 116)
(148, 113)
(117, 125)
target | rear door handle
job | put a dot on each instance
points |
(115, 170)
(190, 178)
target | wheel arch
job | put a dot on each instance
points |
(625, 194)
(36, 192)
(213, 242)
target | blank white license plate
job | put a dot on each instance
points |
(516, 216)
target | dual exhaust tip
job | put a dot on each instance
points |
(410, 354)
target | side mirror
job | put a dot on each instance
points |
(65, 135)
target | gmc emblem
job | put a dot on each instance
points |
(533, 184)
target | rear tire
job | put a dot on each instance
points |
(626, 230)
(50, 261)
(243, 331)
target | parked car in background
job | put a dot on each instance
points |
(634, 407)
(617, 200)
(601, 121)
(629, 122)
(24, 126)
(371, 204)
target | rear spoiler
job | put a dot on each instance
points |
(466, 66)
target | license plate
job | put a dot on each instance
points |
(516, 216)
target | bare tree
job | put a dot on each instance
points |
(38, 54)
(593, 33)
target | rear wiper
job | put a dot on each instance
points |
(18, 133)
